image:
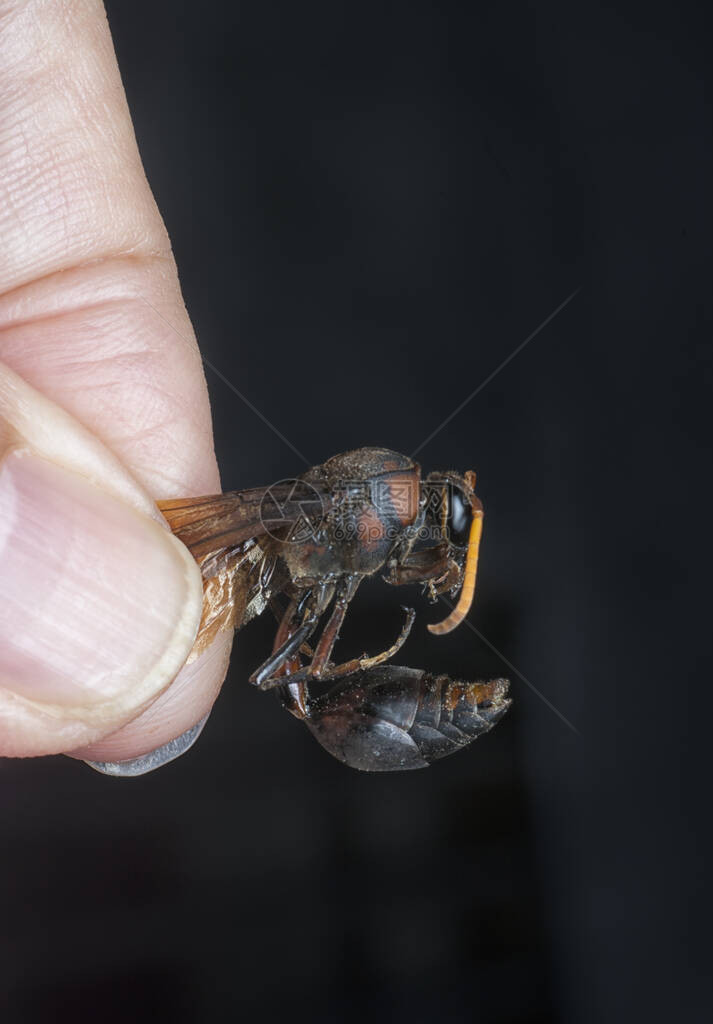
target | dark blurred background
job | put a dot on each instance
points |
(372, 207)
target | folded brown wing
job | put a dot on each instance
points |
(215, 522)
(223, 531)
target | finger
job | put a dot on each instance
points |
(91, 312)
(99, 603)
(90, 308)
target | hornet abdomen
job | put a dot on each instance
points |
(393, 718)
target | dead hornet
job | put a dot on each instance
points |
(312, 540)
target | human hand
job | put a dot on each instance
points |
(103, 408)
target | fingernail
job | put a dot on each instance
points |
(156, 759)
(99, 604)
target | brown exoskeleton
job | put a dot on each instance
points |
(314, 539)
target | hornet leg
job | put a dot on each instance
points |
(293, 696)
(365, 662)
(266, 676)
(298, 623)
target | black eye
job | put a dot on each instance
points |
(459, 520)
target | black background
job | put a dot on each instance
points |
(371, 208)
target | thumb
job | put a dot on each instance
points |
(99, 603)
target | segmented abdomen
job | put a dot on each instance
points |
(392, 718)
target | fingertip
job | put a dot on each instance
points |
(144, 764)
(187, 701)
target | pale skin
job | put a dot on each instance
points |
(103, 410)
